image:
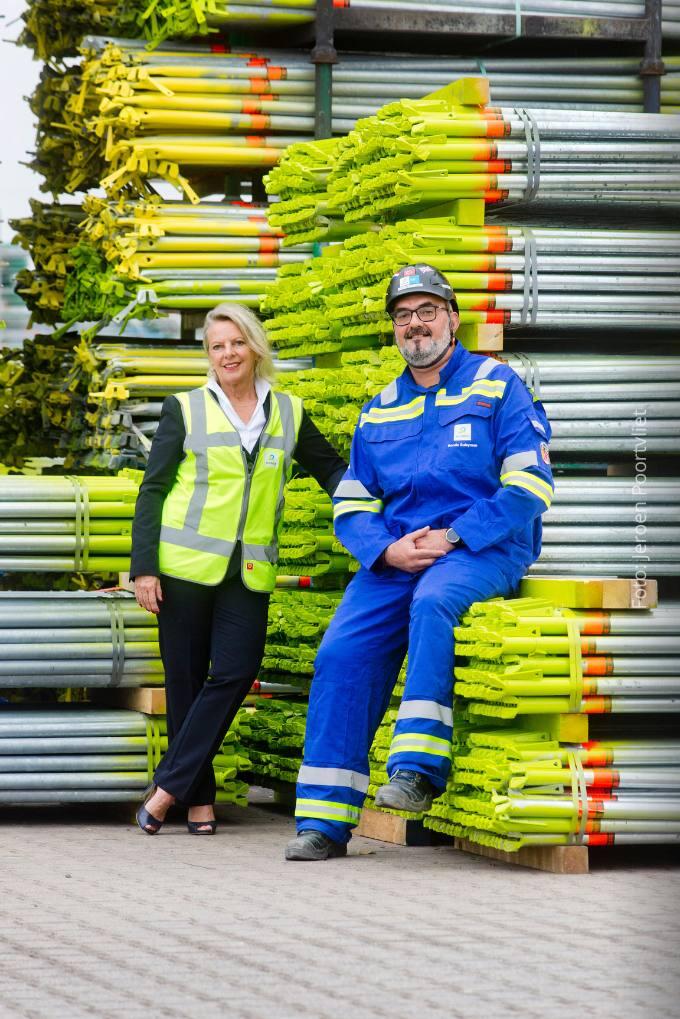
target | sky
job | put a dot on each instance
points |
(18, 77)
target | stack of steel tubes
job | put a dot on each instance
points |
(609, 527)
(588, 415)
(57, 524)
(518, 276)
(81, 523)
(147, 255)
(78, 754)
(64, 639)
(361, 85)
(93, 639)
(157, 117)
(606, 403)
(431, 151)
(128, 114)
(524, 657)
(516, 785)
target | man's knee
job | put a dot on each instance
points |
(436, 606)
(335, 658)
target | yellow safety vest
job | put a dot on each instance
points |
(217, 500)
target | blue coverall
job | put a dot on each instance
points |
(469, 453)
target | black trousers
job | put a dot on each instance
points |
(211, 642)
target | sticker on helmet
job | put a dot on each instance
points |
(410, 270)
(409, 281)
(545, 454)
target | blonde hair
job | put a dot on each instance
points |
(252, 331)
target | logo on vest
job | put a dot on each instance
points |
(271, 458)
(249, 566)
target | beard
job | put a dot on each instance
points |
(426, 354)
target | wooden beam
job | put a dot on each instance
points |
(554, 859)
(400, 831)
(148, 699)
(592, 592)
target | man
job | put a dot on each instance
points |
(441, 504)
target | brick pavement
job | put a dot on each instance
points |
(98, 920)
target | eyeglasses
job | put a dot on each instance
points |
(426, 313)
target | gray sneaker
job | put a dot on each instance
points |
(407, 790)
(314, 845)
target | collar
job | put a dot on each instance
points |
(262, 389)
(449, 369)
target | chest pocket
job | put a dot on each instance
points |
(394, 449)
(465, 441)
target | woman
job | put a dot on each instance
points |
(204, 547)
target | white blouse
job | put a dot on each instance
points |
(250, 431)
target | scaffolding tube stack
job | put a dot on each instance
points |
(515, 785)
(595, 402)
(63, 639)
(152, 256)
(78, 754)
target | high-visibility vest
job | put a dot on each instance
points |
(218, 500)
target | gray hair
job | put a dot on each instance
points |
(252, 331)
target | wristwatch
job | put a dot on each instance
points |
(453, 538)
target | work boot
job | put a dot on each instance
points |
(314, 845)
(407, 790)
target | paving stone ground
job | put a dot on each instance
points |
(97, 919)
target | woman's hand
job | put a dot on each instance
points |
(148, 593)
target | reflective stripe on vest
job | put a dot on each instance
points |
(216, 501)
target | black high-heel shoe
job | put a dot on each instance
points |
(149, 824)
(201, 827)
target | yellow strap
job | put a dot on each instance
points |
(153, 744)
(82, 523)
(579, 796)
(575, 660)
(117, 640)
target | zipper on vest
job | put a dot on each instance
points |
(249, 469)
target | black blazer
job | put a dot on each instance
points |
(313, 452)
